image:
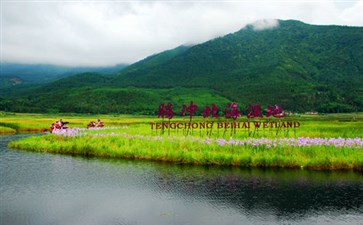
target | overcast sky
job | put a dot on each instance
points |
(104, 33)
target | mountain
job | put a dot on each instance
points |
(91, 93)
(302, 67)
(157, 59)
(24, 74)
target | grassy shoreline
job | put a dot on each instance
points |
(192, 152)
(7, 130)
(159, 146)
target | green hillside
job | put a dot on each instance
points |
(155, 60)
(299, 66)
(303, 67)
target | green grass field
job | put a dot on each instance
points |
(132, 137)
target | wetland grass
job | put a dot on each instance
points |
(321, 143)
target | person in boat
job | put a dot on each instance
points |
(52, 127)
(91, 124)
(62, 125)
(57, 125)
(99, 123)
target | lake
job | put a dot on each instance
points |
(41, 188)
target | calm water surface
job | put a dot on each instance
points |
(38, 188)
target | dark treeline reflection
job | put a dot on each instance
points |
(286, 192)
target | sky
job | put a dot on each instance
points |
(106, 33)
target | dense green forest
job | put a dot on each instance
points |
(299, 66)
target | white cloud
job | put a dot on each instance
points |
(265, 24)
(107, 33)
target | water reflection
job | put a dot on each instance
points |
(53, 189)
(286, 192)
